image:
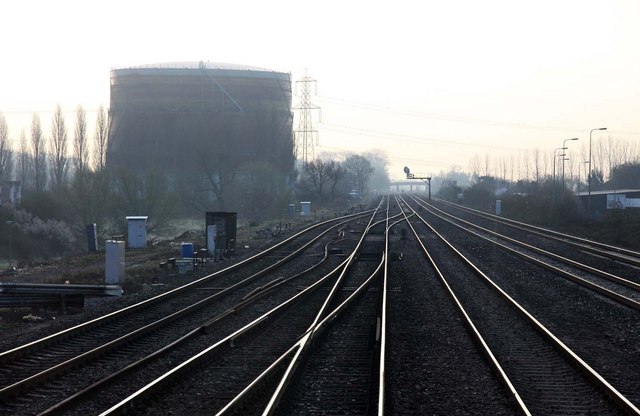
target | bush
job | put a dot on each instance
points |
(35, 238)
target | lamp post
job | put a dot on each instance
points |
(563, 159)
(586, 162)
(590, 169)
(555, 155)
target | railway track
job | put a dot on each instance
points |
(416, 312)
(580, 244)
(543, 375)
(432, 365)
(258, 337)
(623, 289)
(33, 375)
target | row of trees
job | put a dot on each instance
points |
(42, 162)
(534, 165)
(67, 184)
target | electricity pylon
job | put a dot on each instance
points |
(305, 135)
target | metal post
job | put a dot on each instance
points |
(554, 171)
(564, 146)
(410, 175)
(579, 176)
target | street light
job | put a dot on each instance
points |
(565, 146)
(590, 170)
(582, 163)
(554, 168)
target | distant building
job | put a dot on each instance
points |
(601, 201)
(199, 123)
(160, 113)
(10, 194)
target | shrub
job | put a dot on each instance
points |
(41, 239)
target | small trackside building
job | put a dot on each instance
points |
(601, 201)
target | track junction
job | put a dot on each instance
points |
(412, 307)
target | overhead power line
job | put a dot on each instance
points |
(410, 138)
(398, 159)
(457, 119)
(444, 117)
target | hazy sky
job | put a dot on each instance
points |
(430, 82)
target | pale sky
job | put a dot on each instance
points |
(429, 82)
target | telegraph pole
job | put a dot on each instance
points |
(305, 135)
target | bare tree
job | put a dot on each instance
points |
(6, 152)
(634, 152)
(619, 152)
(80, 144)
(145, 193)
(536, 165)
(38, 155)
(525, 169)
(474, 165)
(511, 166)
(24, 160)
(599, 155)
(81, 187)
(336, 176)
(570, 169)
(315, 175)
(500, 167)
(219, 170)
(59, 160)
(358, 169)
(487, 165)
(546, 167)
(101, 139)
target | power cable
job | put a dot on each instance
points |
(456, 119)
(410, 138)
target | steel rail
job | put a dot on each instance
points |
(142, 393)
(11, 354)
(570, 276)
(205, 328)
(315, 326)
(60, 368)
(610, 251)
(274, 284)
(467, 319)
(611, 391)
(578, 265)
(311, 335)
(299, 347)
(350, 260)
(383, 315)
(194, 361)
